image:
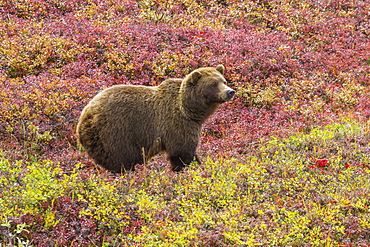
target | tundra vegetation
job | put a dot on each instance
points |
(286, 163)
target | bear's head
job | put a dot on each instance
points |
(204, 89)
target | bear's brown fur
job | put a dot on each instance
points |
(124, 125)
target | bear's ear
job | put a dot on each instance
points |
(194, 77)
(220, 68)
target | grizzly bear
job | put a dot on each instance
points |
(126, 125)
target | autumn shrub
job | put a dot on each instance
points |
(44, 205)
(307, 189)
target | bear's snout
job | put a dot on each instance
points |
(225, 93)
(230, 94)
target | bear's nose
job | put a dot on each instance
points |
(231, 93)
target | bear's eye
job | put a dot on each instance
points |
(214, 84)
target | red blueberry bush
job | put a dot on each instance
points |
(286, 163)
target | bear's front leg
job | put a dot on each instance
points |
(178, 162)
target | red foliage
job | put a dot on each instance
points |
(55, 57)
(320, 163)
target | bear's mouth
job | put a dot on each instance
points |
(221, 98)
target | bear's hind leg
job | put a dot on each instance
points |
(123, 158)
